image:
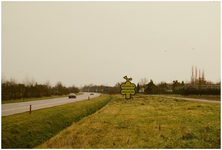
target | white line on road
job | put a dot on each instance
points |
(13, 108)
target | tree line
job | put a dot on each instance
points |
(196, 86)
(95, 88)
(176, 87)
(11, 89)
(181, 88)
(102, 88)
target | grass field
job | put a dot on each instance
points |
(144, 122)
(34, 99)
(206, 97)
(30, 130)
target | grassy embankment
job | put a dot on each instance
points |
(144, 122)
(35, 99)
(30, 130)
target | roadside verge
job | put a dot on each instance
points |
(29, 130)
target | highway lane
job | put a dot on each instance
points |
(14, 108)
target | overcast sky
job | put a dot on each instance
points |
(100, 42)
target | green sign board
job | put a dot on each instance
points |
(128, 88)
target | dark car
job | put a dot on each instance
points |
(91, 94)
(72, 95)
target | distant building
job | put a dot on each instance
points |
(141, 90)
(169, 91)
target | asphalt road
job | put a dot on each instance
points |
(191, 99)
(14, 108)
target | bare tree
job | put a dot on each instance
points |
(32, 82)
(26, 81)
(117, 86)
(47, 83)
(196, 80)
(90, 85)
(3, 79)
(13, 81)
(29, 82)
(203, 78)
(143, 82)
(192, 77)
(59, 88)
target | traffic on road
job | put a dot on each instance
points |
(14, 108)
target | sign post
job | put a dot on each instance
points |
(127, 88)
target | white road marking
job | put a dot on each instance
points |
(13, 108)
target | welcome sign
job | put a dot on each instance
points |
(127, 88)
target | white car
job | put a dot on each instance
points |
(72, 95)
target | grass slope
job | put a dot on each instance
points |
(29, 130)
(144, 122)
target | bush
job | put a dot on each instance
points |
(194, 91)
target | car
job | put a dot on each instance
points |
(91, 94)
(72, 95)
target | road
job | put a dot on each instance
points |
(14, 108)
(191, 99)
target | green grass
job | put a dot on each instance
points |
(30, 130)
(144, 122)
(34, 99)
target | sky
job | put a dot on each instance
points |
(79, 43)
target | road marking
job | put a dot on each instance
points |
(40, 104)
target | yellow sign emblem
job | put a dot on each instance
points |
(128, 88)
